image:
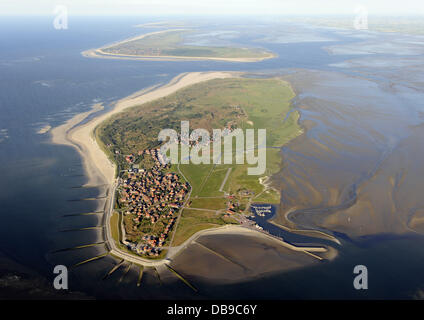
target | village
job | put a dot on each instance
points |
(150, 200)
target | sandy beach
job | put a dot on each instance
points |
(99, 53)
(99, 169)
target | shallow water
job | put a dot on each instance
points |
(349, 172)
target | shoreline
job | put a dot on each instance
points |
(99, 53)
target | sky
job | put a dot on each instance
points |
(198, 7)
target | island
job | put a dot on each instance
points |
(169, 45)
(159, 206)
(153, 213)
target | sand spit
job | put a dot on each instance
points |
(44, 129)
(99, 53)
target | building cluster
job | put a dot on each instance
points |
(152, 196)
(149, 52)
(233, 206)
(156, 155)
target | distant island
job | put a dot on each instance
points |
(413, 25)
(169, 45)
(161, 206)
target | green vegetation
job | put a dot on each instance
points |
(193, 221)
(134, 232)
(169, 43)
(114, 225)
(209, 203)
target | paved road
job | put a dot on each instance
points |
(225, 179)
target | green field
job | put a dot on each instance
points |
(209, 203)
(114, 226)
(169, 43)
(193, 221)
